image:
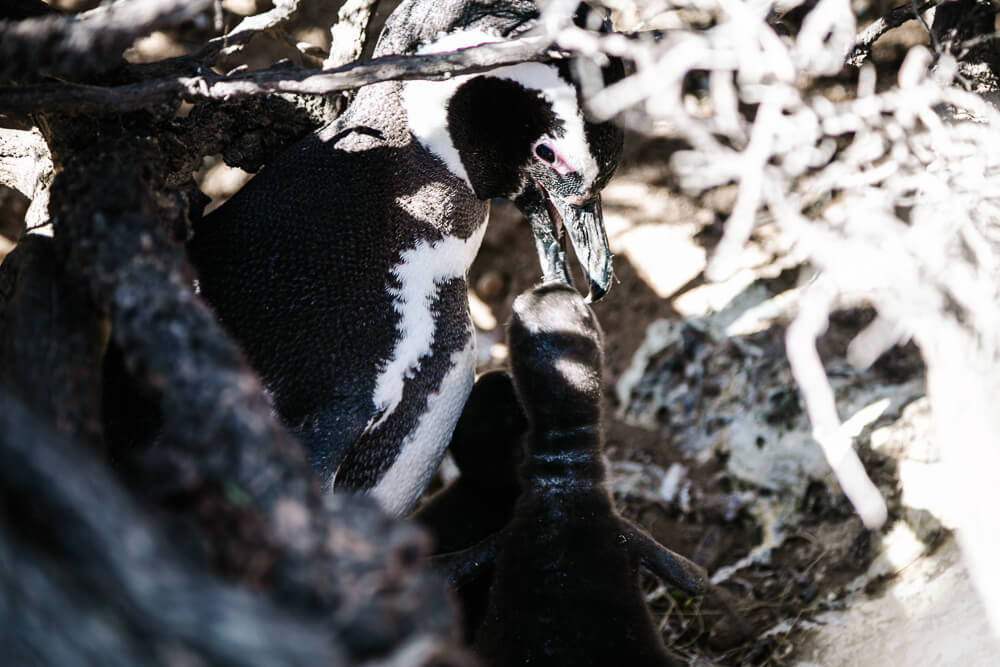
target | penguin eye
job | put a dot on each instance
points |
(545, 154)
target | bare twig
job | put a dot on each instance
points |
(212, 87)
(91, 42)
(234, 40)
(897, 17)
(26, 166)
(20, 153)
(923, 24)
(310, 51)
(272, 21)
(828, 431)
(347, 36)
(968, 44)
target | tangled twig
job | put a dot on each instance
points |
(209, 86)
(893, 196)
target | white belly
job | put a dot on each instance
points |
(400, 487)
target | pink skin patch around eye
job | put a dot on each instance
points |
(559, 164)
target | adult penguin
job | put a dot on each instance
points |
(341, 267)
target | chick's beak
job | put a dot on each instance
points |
(551, 219)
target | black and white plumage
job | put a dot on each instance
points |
(565, 586)
(341, 267)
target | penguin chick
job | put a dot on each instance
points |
(341, 267)
(486, 446)
(566, 583)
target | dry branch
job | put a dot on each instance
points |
(347, 36)
(897, 17)
(26, 166)
(73, 98)
(233, 41)
(82, 558)
(893, 195)
(92, 42)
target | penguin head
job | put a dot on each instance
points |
(520, 132)
(414, 25)
(555, 356)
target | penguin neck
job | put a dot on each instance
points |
(564, 460)
(377, 119)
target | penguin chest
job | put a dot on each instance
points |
(422, 383)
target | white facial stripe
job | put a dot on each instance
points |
(572, 146)
(426, 104)
(419, 272)
(421, 452)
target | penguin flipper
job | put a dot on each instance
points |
(669, 566)
(468, 565)
(329, 435)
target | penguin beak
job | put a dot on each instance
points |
(551, 219)
(585, 226)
